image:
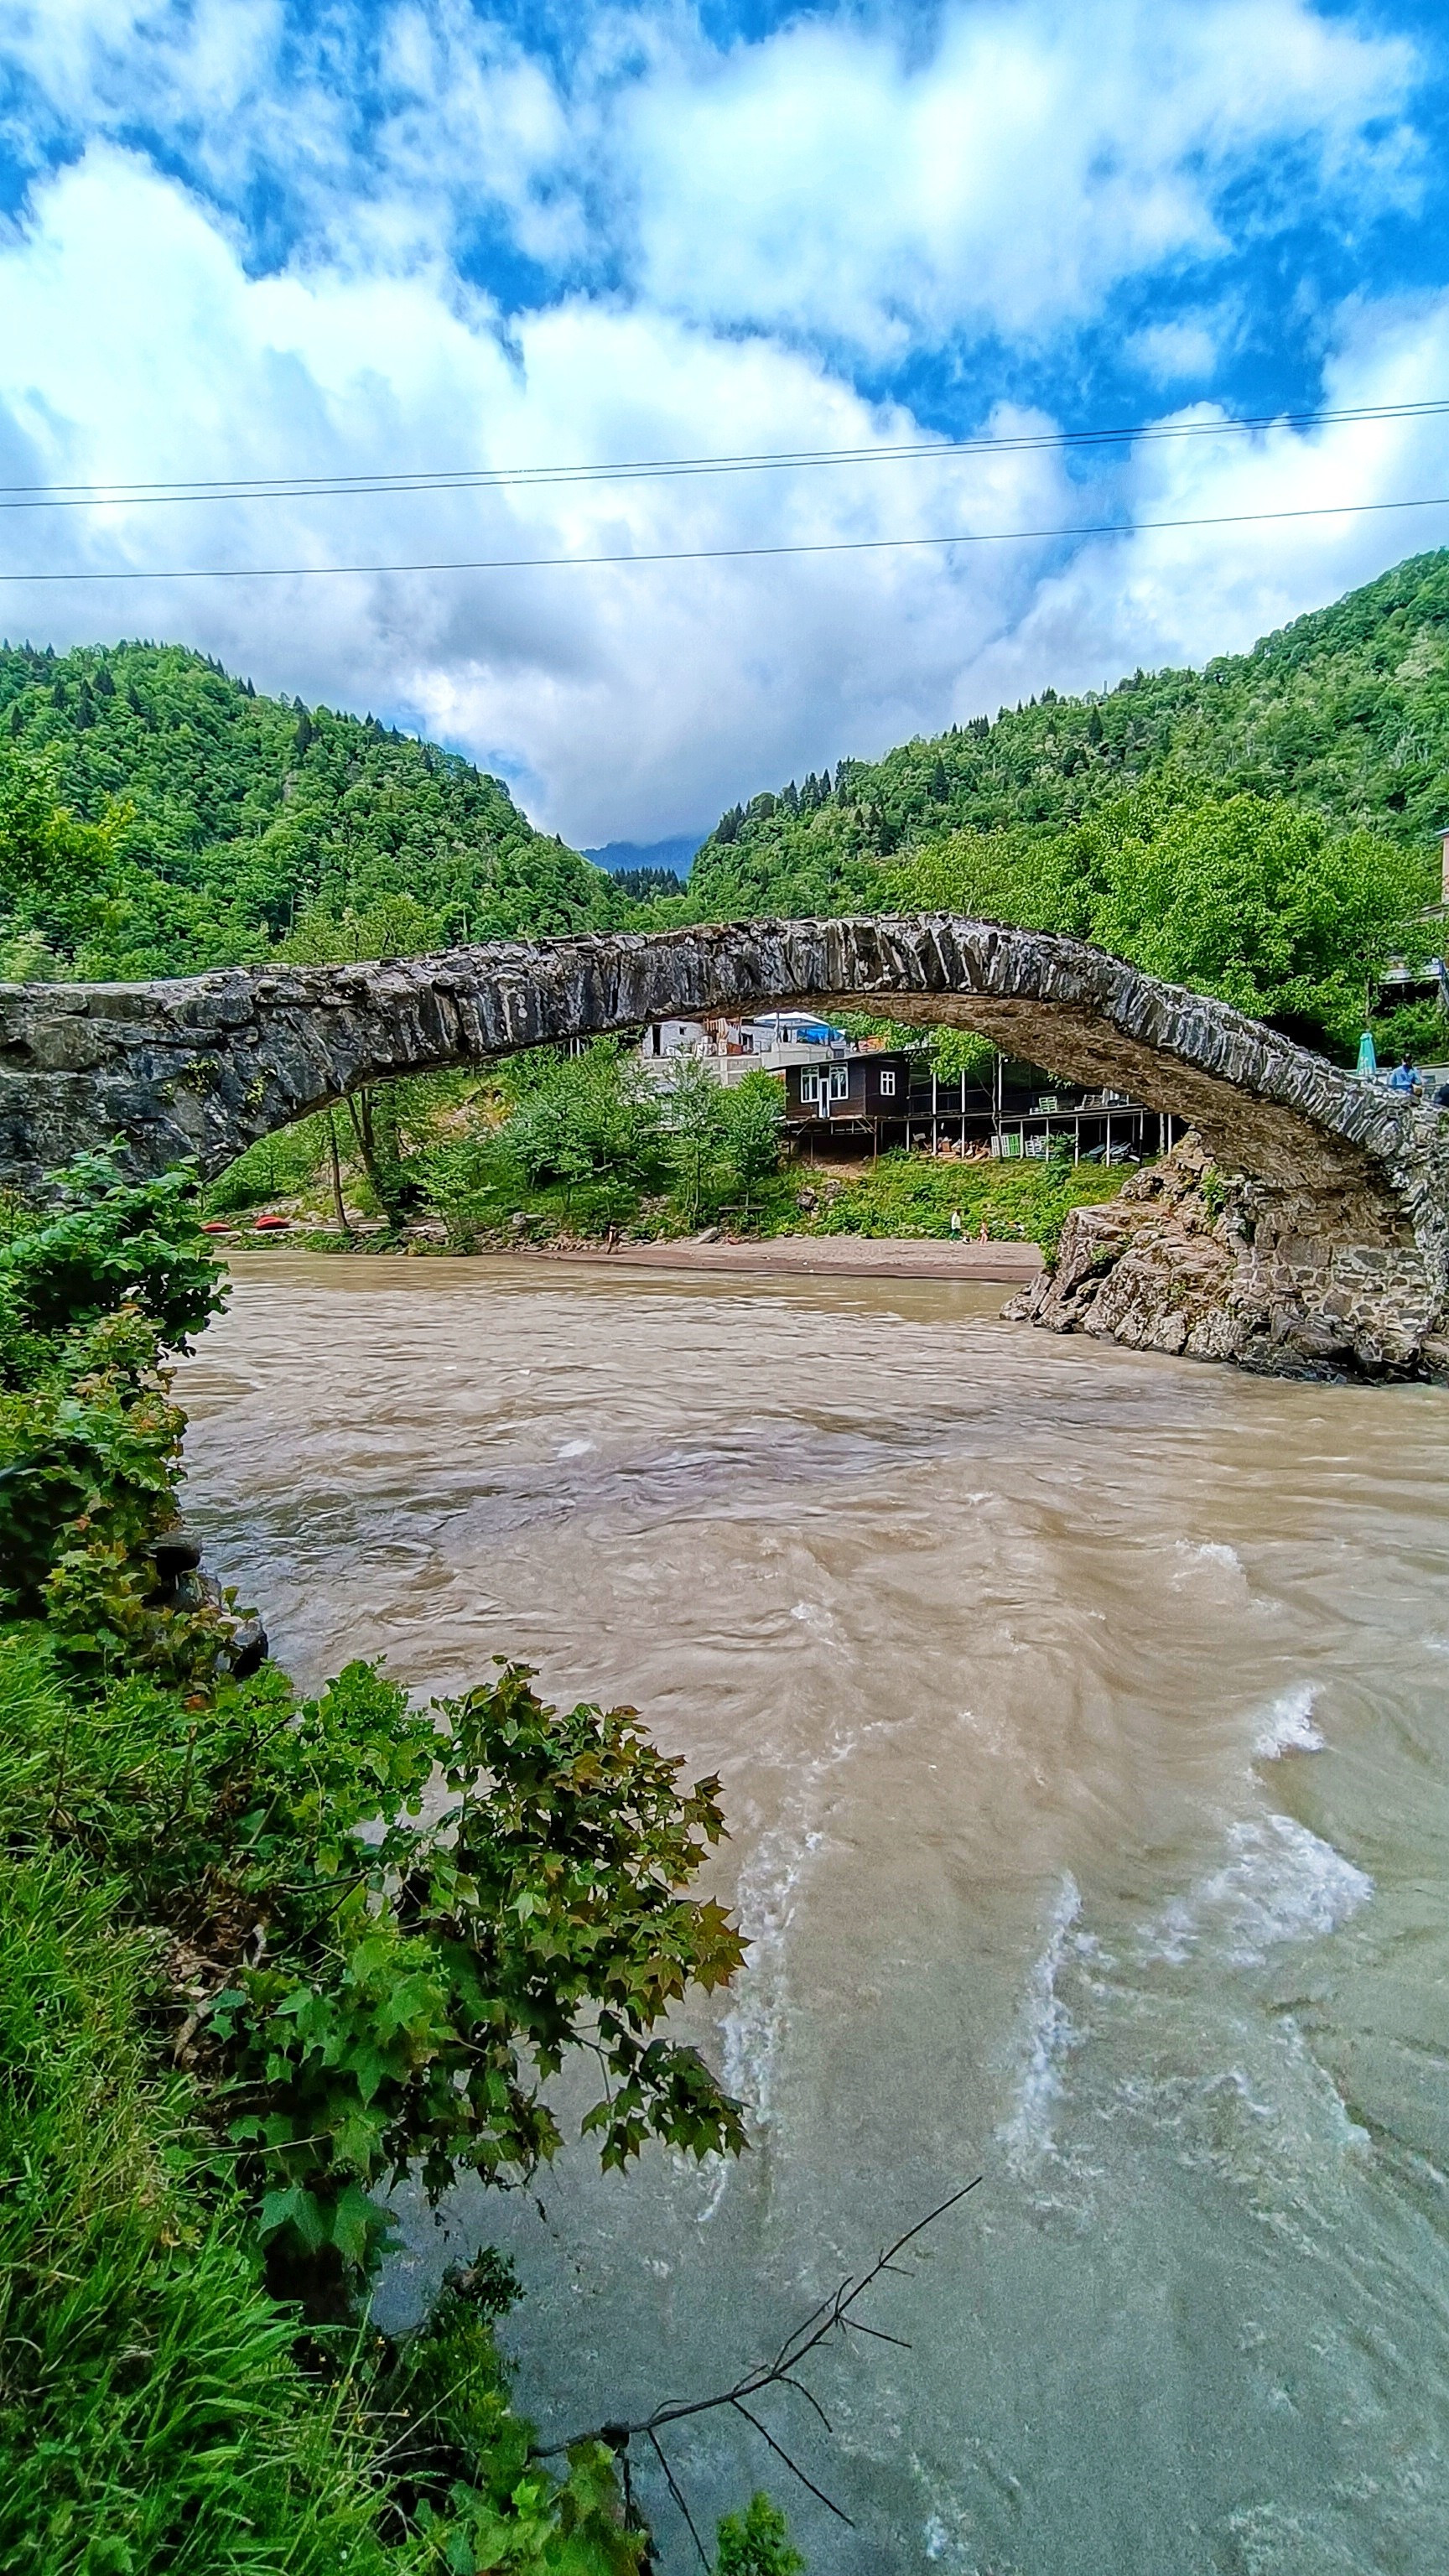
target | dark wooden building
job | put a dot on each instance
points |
(871, 1100)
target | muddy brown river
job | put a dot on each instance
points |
(1082, 1724)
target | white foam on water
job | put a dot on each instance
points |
(578, 1449)
(765, 1905)
(1048, 2034)
(1280, 1883)
(1287, 1727)
(754, 2029)
(1208, 1555)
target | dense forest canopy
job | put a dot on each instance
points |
(1263, 830)
(1345, 712)
(231, 814)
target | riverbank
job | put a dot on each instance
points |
(837, 1256)
(916, 1208)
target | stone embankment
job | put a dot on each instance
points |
(1186, 1261)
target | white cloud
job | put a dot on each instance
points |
(629, 700)
(1180, 595)
(825, 183)
(816, 184)
(1184, 350)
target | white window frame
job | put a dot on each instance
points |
(888, 1084)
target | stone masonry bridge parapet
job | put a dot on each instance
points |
(1331, 1246)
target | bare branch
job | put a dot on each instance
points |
(785, 2381)
(805, 2338)
(679, 2500)
(793, 2466)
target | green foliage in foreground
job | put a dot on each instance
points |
(242, 1980)
(90, 1444)
(151, 2413)
(154, 2412)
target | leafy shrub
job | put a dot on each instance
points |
(756, 2543)
(93, 1297)
(583, 1117)
(245, 1976)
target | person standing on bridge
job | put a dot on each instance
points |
(1404, 1079)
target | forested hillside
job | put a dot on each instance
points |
(1345, 712)
(233, 815)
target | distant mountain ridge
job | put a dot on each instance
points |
(627, 858)
(1346, 711)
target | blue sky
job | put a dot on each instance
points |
(247, 238)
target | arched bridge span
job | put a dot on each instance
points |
(203, 1066)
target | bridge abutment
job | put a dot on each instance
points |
(1201, 1266)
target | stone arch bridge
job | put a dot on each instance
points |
(1318, 1240)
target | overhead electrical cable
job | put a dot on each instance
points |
(727, 554)
(83, 496)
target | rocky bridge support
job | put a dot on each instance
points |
(1306, 1227)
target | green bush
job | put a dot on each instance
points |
(756, 2543)
(244, 1979)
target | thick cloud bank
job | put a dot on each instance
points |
(251, 242)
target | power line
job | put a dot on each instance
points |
(722, 554)
(84, 496)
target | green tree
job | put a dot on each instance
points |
(695, 1115)
(753, 1125)
(582, 1118)
(1344, 714)
(45, 849)
(395, 925)
(1242, 896)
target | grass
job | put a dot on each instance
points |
(915, 1195)
(151, 2413)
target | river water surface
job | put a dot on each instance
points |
(1082, 1725)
